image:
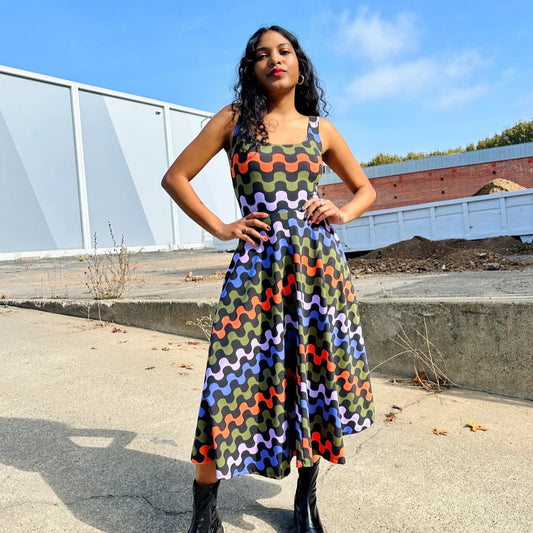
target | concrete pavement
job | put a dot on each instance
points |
(97, 420)
(162, 276)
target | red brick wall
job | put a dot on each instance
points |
(435, 185)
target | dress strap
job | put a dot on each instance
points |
(234, 138)
(313, 130)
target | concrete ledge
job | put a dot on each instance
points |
(168, 316)
(487, 343)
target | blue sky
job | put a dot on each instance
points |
(399, 75)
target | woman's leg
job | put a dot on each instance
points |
(205, 517)
(206, 473)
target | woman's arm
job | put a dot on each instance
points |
(215, 136)
(339, 158)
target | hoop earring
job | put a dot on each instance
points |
(301, 79)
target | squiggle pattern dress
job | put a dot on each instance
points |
(287, 373)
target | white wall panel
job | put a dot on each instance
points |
(111, 161)
(111, 190)
(38, 186)
(141, 132)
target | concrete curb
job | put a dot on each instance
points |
(485, 343)
(168, 316)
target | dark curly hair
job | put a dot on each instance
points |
(250, 103)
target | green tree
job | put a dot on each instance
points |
(521, 132)
(383, 159)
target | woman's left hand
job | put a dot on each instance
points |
(319, 209)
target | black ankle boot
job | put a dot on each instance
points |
(205, 518)
(305, 510)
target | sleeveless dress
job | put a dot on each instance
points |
(287, 373)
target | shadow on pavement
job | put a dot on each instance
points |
(118, 490)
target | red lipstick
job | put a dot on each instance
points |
(276, 72)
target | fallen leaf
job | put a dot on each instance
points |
(397, 407)
(188, 366)
(194, 342)
(166, 349)
(149, 367)
(475, 427)
(116, 330)
(183, 373)
(438, 431)
(155, 348)
(390, 417)
(191, 277)
(421, 379)
(122, 342)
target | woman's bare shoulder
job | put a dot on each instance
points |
(325, 125)
(328, 133)
(225, 118)
(223, 123)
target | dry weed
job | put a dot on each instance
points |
(205, 323)
(109, 275)
(428, 361)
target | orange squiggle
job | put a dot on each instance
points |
(254, 410)
(318, 358)
(204, 451)
(268, 166)
(322, 447)
(284, 287)
(292, 374)
(353, 381)
(328, 271)
(306, 445)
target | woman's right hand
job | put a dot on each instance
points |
(246, 228)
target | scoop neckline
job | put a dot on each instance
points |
(293, 144)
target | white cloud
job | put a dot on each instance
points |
(455, 96)
(399, 70)
(464, 63)
(440, 81)
(377, 38)
(406, 79)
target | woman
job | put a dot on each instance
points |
(287, 372)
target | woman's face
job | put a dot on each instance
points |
(276, 64)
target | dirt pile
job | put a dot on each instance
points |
(498, 185)
(451, 255)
